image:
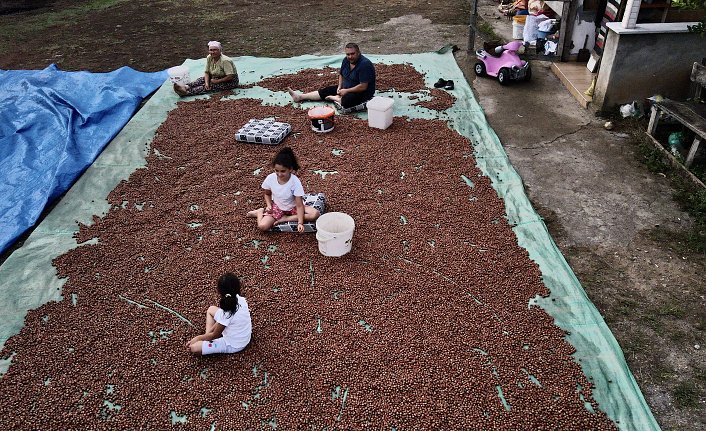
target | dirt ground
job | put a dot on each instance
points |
(613, 219)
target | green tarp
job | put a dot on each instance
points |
(27, 278)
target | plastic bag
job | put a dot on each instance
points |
(633, 109)
(676, 142)
(627, 110)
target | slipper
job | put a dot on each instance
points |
(440, 83)
(449, 85)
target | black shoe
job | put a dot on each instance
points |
(440, 83)
(449, 85)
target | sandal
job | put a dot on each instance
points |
(440, 83)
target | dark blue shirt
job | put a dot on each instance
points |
(364, 71)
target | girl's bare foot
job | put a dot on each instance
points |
(254, 213)
(296, 96)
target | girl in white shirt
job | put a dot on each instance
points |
(283, 195)
(228, 326)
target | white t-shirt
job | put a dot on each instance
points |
(283, 194)
(238, 326)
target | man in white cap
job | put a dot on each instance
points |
(220, 74)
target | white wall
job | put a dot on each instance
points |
(583, 26)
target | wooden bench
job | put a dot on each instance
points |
(691, 114)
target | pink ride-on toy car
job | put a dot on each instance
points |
(505, 64)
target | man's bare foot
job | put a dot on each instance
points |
(180, 90)
(254, 213)
(296, 96)
(336, 99)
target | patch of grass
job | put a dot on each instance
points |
(21, 29)
(700, 375)
(653, 158)
(626, 307)
(694, 203)
(686, 395)
(664, 374)
(700, 171)
(636, 343)
(486, 30)
(654, 322)
(673, 310)
(691, 199)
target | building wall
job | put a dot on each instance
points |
(638, 65)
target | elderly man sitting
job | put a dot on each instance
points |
(220, 74)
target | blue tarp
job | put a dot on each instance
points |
(53, 124)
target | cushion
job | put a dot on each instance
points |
(316, 200)
(267, 131)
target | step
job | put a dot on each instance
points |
(576, 78)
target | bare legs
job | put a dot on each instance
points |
(298, 96)
(266, 221)
(310, 214)
(195, 345)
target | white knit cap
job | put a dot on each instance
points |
(215, 44)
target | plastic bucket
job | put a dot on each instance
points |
(321, 118)
(517, 30)
(334, 231)
(179, 75)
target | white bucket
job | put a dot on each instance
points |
(179, 75)
(334, 231)
(517, 30)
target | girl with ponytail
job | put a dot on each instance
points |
(228, 325)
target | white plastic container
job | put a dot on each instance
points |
(334, 231)
(179, 75)
(517, 30)
(380, 112)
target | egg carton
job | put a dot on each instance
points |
(267, 131)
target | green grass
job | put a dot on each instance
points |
(691, 199)
(655, 322)
(686, 395)
(18, 30)
(637, 343)
(486, 30)
(653, 158)
(688, 4)
(671, 310)
(694, 203)
(626, 306)
(664, 374)
(700, 375)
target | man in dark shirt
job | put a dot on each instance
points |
(356, 82)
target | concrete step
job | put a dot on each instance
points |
(576, 78)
